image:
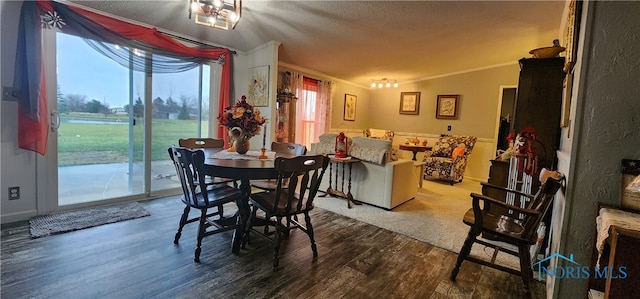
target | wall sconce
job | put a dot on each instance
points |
(384, 82)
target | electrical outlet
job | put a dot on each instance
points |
(448, 128)
(7, 94)
(14, 193)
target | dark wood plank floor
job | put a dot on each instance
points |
(137, 259)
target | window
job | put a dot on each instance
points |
(306, 112)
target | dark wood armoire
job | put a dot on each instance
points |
(539, 104)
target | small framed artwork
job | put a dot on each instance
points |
(259, 86)
(447, 106)
(410, 102)
(350, 107)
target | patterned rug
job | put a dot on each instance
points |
(58, 223)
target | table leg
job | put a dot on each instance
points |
(245, 212)
(414, 156)
(329, 190)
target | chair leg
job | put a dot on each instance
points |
(525, 268)
(277, 238)
(464, 252)
(183, 221)
(314, 248)
(237, 240)
(201, 230)
(220, 211)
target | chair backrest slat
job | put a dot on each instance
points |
(304, 174)
(189, 164)
(541, 203)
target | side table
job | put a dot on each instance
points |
(349, 161)
(414, 148)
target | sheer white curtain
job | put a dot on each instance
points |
(313, 108)
(325, 92)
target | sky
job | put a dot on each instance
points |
(82, 70)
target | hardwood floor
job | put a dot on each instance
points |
(137, 259)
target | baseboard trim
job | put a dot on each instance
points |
(15, 217)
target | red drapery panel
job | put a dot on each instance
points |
(29, 77)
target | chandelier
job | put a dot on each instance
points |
(384, 82)
(217, 13)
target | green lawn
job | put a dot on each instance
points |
(82, 144)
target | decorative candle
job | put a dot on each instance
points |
(264, 137)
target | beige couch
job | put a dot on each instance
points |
(376, 180)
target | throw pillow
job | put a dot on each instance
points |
(458, 151)
(368, 154)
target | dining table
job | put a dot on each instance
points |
(243, 168)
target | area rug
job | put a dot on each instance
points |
(434, 216)
(58, 223)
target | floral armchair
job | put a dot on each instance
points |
(447, 159)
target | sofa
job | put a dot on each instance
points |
(377, 180)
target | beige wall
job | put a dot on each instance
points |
(477, 115)
(479, 93)
(379, 108)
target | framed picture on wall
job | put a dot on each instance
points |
(259, 86)
(571, 34)
(447, 106)
(410, 102)
(350, 107)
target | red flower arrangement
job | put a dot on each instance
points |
(243, 116)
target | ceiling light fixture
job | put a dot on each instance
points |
(384, 82)
(217, 13)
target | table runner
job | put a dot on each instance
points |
(250, 155)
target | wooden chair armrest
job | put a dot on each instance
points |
(477, 197)
(487, 185)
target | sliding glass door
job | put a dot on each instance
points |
(115, 124)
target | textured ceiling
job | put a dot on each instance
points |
(358, 41)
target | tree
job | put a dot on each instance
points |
(184, 111)
(76, 102)
(158, 105)
(172, 106)
(138, 108)
(62, 102)
(94, 106)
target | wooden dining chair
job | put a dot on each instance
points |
(196, 194)
(280, 148)
(512, 224)
(304, 172)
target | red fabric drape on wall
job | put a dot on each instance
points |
(33, 131)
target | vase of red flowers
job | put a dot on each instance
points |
(243, 122)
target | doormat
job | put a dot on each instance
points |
(59, 223)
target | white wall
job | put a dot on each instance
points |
(266, 54)
(18, 167)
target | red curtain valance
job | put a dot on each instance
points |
(29, 84)
(309, 84)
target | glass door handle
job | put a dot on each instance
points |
(55, 121)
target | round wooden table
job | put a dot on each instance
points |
(243, 171)
(415, 149)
